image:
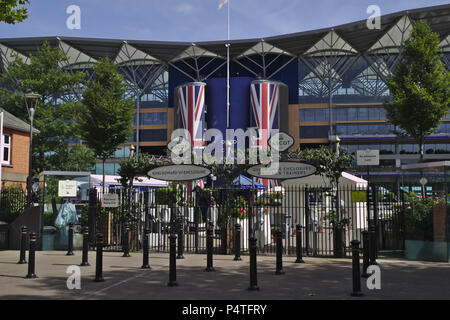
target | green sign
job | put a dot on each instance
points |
(359, 196)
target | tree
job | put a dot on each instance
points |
(420, 86)
(56, 120)
(107, 120)
(331, 165)
(12, 11)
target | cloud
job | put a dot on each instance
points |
(184, 8)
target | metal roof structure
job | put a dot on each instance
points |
(354, 38)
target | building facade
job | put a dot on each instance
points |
(335, 80)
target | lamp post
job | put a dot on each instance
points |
(30, 102)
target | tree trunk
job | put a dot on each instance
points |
(421, 150)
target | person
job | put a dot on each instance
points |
(204, 204)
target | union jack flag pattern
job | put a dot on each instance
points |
(264, 101)
(191, 108)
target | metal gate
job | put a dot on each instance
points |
(188, 213)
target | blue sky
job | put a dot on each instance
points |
(196, 20)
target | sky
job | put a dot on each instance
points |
(196, 20)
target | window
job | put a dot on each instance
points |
(314, 132)
(6, 149)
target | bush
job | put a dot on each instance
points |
(419, 217)
(12, 203)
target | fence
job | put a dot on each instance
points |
(187, 213)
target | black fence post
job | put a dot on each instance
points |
(23, 245)
(356, 270)
(253, 266)
(92, 214)
(70, 241)
(145, 264)
(31, 257)
(307, 220)
(84, 260)
(180, 241)
(209, 249)
(372, 246)
(279, 263)
(299, 244)
(375, 220)
(99, 259)
(172, 262)
(365, 236)
(126, 241)
(237, 242)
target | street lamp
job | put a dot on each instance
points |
(31, 100)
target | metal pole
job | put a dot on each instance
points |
(145, 264)
(84, 261)
(138, 103)
(299, 244)
(209, 249)
(172, 262)
(228, 64)
(31, 257)
(365, 236)
(253, 266)
(23, 245)
(356, 270)
(126, 242)
(279, 262)
(99, 259)
(237, 242)
(30, 162)
(70, 241)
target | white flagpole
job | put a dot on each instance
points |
(228, 64)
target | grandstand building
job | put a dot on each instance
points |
(321, 83)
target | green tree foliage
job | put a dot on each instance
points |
(55, 120)
(107, 120)
(328, 163)
(12, 11)
(136, 166)
(420, 86)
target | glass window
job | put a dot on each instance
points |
(6, 149)
(154, 118)
(352, 114)
(363, 114)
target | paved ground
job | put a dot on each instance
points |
(318, 278)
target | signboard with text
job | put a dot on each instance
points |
(181, 172)
(368, 157)
(110, 200)
(285, 170)
(67, 188)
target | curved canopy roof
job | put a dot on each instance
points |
(353, 38)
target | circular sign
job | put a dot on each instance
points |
(284, 170)
(180, 172)
(423, 181)
(281, 141)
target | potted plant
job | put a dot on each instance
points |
(339, 226)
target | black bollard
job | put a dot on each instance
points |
(209, 249)
(126, 241)
(70, 240)
(365, 236)
(253, 266)
(180, 242)
(23, 245)
(84, 260)
(99, 259)
(373, 247)
(279, 253)
(237, 242)
(172, 261)
(145, 264)
(31, 257)
(356, 270)
(299, 244)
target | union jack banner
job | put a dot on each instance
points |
(265, 100)
(191, 100)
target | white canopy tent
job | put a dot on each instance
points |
(318, 181)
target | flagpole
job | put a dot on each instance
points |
(228, 64)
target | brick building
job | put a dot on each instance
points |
(16, 150)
